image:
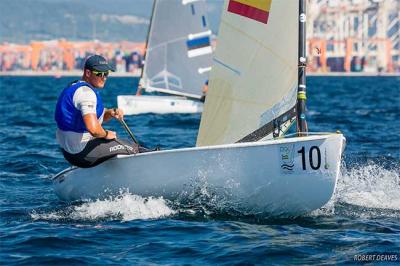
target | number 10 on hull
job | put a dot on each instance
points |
(304, 158)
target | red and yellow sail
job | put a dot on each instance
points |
(253, 9)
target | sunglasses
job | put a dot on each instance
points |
(100, 74)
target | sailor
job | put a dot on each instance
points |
(204, 91)
(79, 115)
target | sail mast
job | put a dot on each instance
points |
(301, 89)
(139, 91)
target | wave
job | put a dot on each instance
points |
(125, 207)
(367, 190)
(371, 186)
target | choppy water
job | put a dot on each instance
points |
(362, 219)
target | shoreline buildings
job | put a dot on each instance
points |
(354, 35)
(343, 36)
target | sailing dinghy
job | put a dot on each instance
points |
(178, 60)
(257, 89)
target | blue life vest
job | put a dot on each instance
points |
(68, 117)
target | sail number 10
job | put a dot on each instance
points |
(314, 151)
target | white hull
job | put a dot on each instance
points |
(254, 175)
(134, 105)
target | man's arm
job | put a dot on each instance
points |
(85, 100)
(95, 129)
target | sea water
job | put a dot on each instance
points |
(360, 224)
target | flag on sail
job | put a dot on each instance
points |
(198, 46)
(253, 9)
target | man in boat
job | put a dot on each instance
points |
(204, 91)
(79, 115)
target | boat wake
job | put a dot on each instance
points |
(125, 207)
(371, 186)
(366, 190)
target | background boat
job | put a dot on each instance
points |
(177, 60)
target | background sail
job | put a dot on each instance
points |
(254, 75)
(178, 57)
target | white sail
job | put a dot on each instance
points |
(255, 72)
(178, 48)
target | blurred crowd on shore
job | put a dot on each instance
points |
(61, 55)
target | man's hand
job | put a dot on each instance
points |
(111, 135)
(117, 113)
(113, 113)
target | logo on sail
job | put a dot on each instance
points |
(287, 158)
(198, 44)
(253, 9)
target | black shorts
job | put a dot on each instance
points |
(99, 150)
